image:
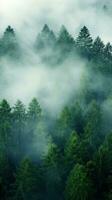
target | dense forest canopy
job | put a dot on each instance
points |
(64, 155)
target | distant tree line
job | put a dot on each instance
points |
(56, 49)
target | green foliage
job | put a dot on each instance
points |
(93, 122)
(71, 151)
(84, 42)
(45, 39)
(28, 182)
(9, 45)
(19, 125)
(78, 186)
(53, 174)
(77, 120)
(34, 111)
(5, 124)
(98, 48)
(65, 42)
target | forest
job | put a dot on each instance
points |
(65, 156)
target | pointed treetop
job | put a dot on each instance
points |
(19, 107)
(46, 29)
(9, 30)
(63, 29)
(84, 41)
(45, 39)
(84, 32)
(64, 35)
(84, 28)
(98, 43)
(108, 47)
(34, 109)
(4, 108)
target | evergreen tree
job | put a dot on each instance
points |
(77, 120)
(9, 44)
(6, 176)
(84, 42)
(103, 161)
(18, 129)
(63, 127)
(97, 49)
(5, 125)
(46, 39)
(52, 169)
(34, 111)
(29, 182)
(93, 124)
(108, 51)
(71, 151)
(79, 185)
(65, 42)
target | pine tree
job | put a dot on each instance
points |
(29, 182)
(65, 41)
(52, 168)
(46, 39)
(77, 120)
(9, 44)
(93, 127)
(5, 125)
(19, 129)
(79, 185)
(34, 110)
(108, 51)
(71, 152)
(84, 42)
(103, 168)
(63, 126)
(97, 49)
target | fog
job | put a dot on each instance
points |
(53, 86)
(30, 77)
(28, 16)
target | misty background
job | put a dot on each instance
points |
(30, 77)
(30, 15)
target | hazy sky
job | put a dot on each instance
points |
(73, 13)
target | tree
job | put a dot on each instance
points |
(79, 185)
(29, 182)
(77, 120)
(45, 45)
(6, 175)
(71, 156)
(93, 124)
(53, 177)
(9, 44)
(84, 42)
(63, 127)
(45, 40)
(65, 42)
(103, 161)
(97, 49)
(108, 51)
(34, 111)
(19, 129)
(34, 131)
(5, 125)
